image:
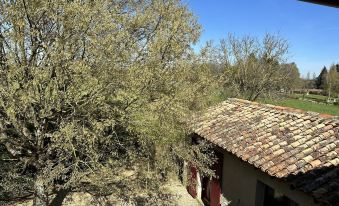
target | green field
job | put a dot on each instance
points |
(294, 101)
(304, 105)
(314, 97)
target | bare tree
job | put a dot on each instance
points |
(256, 68)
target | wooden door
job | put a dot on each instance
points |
(215, 194)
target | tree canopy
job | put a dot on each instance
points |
(332, 81)
(94, 96)
(251, 67)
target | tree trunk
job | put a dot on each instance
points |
(40, 193)
(59, 198)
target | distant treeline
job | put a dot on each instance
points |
(327, 81)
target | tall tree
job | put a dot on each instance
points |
(321, 79)
(332, 85)
(291, 72)
(94, 95)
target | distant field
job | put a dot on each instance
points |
(314, 97)
(304, 105)
(294, 101)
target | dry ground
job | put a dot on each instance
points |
(181, 198)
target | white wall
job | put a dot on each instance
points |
(239, 182)
(199, 187)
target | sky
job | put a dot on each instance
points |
(311, 30)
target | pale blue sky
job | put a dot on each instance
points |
(312, 30)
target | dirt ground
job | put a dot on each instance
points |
(181, 198)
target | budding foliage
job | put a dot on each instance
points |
(94, 96)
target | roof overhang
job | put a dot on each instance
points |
(333, 3)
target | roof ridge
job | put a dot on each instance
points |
(289, 110)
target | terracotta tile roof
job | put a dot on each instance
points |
(282, 142)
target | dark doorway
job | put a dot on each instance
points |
(267, 196)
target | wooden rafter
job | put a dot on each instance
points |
(333, 3)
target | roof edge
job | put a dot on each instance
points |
(287, 109)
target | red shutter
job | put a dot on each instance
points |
(192, 184)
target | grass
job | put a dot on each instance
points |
(314, 97)
(304, 105)
(292, 101)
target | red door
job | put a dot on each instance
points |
(215, 193)
(211, 188)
